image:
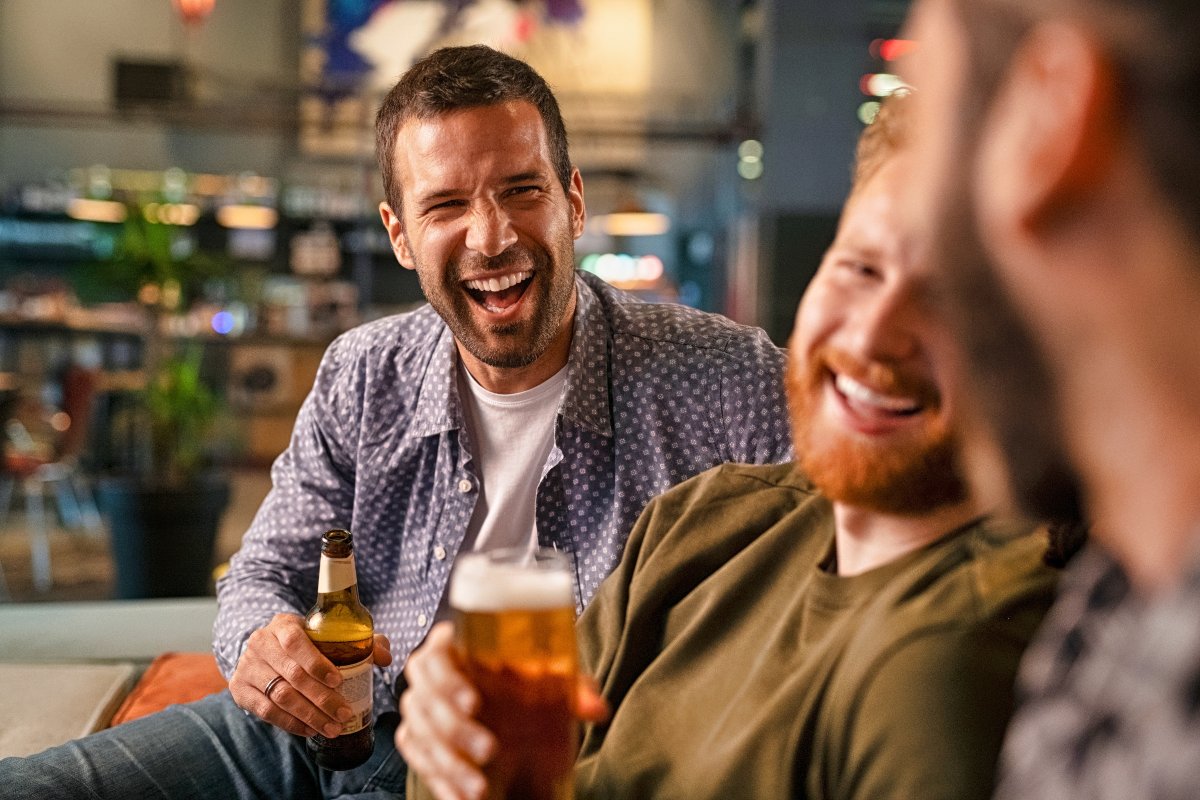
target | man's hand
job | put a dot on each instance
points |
(283, 678)
(438, 736)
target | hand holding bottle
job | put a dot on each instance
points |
(304, 700)
(313, 675)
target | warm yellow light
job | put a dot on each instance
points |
(252, 217)
(171, 213)
(96, 210)
(635, 223)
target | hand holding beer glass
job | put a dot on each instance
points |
(515, 641)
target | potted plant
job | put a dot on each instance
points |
(165, 501)
(165, 513)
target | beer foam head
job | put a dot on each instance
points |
(480, 584)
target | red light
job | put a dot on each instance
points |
(892, 49)
(194, 12)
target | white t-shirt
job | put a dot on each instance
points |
(511, 437)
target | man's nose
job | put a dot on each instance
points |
(490, 230)
(884, 329)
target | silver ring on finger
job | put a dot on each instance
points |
(271, 685)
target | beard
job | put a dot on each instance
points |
(1011, 389)
(911, 473)
(515, 344)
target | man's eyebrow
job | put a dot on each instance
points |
(442, 194)
(524, 177)
(857, 249)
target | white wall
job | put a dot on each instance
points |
(59, 54)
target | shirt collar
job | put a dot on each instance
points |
(586, 398)
(438, 406)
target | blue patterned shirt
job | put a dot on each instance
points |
(654, 394)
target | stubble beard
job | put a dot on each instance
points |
(512, 345)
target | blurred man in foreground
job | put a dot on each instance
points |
(1057, 141)
(846, 627)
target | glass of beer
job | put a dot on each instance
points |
(515, 635)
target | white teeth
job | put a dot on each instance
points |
(498, 284)
(859, 393)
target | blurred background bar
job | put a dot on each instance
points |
(198, 176)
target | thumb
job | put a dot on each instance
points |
(590, 706)
(382, 652)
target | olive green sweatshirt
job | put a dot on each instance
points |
(737, 667)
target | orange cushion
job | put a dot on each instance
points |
(171, 678)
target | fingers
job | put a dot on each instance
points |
(382, 653)
(590, 705)
(437, 735)
(447, 772)
(433, 662)
(304, 701)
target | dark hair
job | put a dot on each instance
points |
(1154, 46)
(454, 78)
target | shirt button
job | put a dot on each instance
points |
(439, 553)
(465, 485)
(422, 619)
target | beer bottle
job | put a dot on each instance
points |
(341, 628)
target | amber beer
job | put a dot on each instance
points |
(341, 628)
(515, 631)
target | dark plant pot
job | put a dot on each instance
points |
(163, 537)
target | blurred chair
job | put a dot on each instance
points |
(40, 470)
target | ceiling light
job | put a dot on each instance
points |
(249, 217)
(96, 210)
(634, 223)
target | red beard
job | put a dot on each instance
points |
(909, 473)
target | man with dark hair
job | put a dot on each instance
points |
(527, 404)
(1058, 159)
(845, 627)
(465, 77)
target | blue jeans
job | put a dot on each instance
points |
(206, 749)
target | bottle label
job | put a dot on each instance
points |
(358, 689)
(336, 574)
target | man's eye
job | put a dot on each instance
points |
(445, 204)
(861, 269)
(523, 190)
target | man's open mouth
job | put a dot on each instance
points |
(866, 400)
(501, 292)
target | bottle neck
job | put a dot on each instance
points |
(337, 577)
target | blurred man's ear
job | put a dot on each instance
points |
(1049, 139)
(395, 232)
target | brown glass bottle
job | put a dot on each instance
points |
(341, 628)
